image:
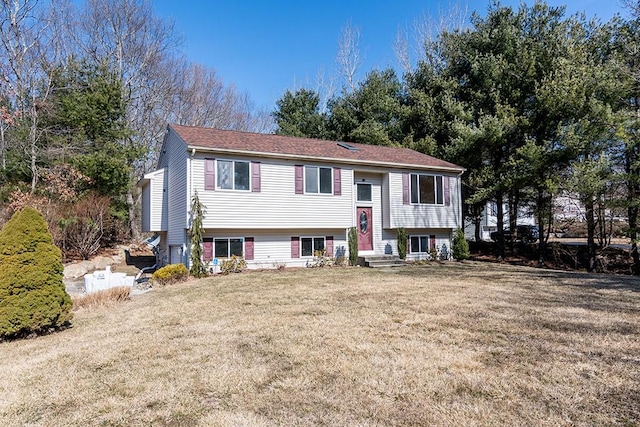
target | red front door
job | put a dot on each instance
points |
(365, 226)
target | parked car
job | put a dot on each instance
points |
(525, 234)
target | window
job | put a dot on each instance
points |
(318, 180)
(233, 175)
(312, 244)
(224, 248)
(419, 244)
(427, 189)
(364, 192)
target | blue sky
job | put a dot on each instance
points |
(266, 47)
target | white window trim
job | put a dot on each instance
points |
(435, 188)
(428, 248)
(228, 239)
(324, 239)
(304, 183)
(364, 201)
(233, 174)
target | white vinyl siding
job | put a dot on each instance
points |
(273, 247)
(276, 206)
(422, 215)
(175, 159)
(154, 202)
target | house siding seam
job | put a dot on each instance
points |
(176, 158)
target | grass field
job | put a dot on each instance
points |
(447, 345)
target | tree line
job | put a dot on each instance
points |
(532, 101)
(86, 92)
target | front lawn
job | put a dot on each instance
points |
(441, 344)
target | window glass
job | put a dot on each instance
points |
(224, 174)
(241, 175)
(427, 189)
(423, 244)
(318, 244)
(235, 246)
(414, 189)
(311, 179)
(419, 244)
(221, 248)
(307, 246)
(364, 192)
(326, 182)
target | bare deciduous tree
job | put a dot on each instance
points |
(349, 58)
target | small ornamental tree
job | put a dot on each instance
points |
(402, 243)
(460, 246)
(353, 246)
(197, 266)
(32, 295)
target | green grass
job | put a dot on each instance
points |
(441, 344)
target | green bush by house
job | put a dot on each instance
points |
(460, 246)
(170, 274)
(32, 295)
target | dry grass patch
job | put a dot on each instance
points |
(451, 344)
(101, 298)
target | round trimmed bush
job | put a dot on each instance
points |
(32, 295)
(170, 274)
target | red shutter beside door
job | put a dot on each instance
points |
(337, 182)
(248, 248)
(432, 241)
(405, 189)
(299, 179)
(295, 247)
(209, 174)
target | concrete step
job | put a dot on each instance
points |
(380, 261)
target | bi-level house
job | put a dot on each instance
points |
(275, 200)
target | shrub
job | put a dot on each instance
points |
(235, 264)
(102, 298)
(402, 243)
(460, 246)
(170, 274)
(353, 246)
(321, 259)
(32, 295)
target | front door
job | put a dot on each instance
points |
(365, 229)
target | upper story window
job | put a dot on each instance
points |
(427, 189)
(318, 180)
(233, 175)
(364, 192)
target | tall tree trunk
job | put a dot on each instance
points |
(500, 224)
(542, 241)
(591, 232)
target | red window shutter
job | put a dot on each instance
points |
(255, 177)
(447, 191)
(207, 247)
(329, 245)
(295, 247)
(299, 179)
(248, 248)
(209, 174)
(432, 241)
(405, 189)
(337, 182)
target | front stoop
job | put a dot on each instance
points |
(380, 261)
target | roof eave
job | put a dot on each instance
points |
(458, 170)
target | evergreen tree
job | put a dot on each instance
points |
(198, 268)
(32, 295)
